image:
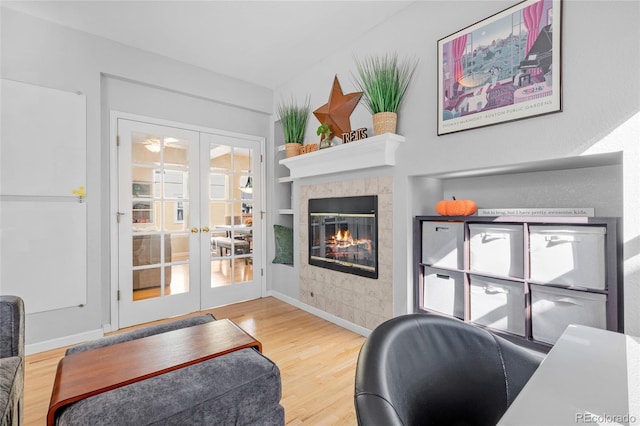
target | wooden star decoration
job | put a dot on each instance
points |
(337, 111)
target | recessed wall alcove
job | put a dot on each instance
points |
(591, 181)
(582, 181)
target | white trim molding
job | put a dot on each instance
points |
(322, 314)
(375, 151)
(60, 342)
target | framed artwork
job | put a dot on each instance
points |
(503, 68)
(141, 189)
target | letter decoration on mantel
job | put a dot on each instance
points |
(355, 135)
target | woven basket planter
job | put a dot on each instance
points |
(292, 149)
(384, 122)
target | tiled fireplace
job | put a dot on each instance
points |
(362, 300)
(343, 234)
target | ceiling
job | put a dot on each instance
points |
(262, 42)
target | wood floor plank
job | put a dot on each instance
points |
(316, 358)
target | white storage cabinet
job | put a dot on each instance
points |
(443, 291)
(442, 244)
(553, 309)
(525, 278)
(497, 249)
(568, 255)
(498, 304)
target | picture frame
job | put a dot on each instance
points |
(141, 189)
(501, 69)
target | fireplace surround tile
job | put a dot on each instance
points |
(363, 301)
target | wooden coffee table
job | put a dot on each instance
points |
(89, 373)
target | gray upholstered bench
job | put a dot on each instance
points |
(239, 388)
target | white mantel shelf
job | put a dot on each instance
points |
(375, 151)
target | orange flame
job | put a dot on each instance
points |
(343, 237)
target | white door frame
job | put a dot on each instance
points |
(113, 198)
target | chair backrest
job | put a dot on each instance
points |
(427, 369)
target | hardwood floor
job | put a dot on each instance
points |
(316, 358)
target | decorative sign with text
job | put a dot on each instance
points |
(551, 211)
(354, 135)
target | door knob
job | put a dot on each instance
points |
(205, 229)
(194, 230)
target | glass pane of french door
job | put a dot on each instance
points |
(231, 167)
(158, 241)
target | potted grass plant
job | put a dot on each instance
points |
(293, 118)
(384, 80)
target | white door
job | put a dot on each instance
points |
(230, 207)
(159, 223)
(188, 238)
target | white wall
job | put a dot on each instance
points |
(600, 65)
(601, 62)
(113, 76)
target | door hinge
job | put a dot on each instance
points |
(262, 272)
(261, 159)
(118, 295)
(118, 140)
(118, 216)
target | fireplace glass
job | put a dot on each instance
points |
(343, 234)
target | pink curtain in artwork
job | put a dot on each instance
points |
(458, 50)
(531, 16)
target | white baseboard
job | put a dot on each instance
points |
(322, 314)
(63, 341)
(96, 334)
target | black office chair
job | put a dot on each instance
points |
(422, 369)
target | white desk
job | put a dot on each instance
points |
(590, 376)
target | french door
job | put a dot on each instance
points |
(187, 229)
(230, 207)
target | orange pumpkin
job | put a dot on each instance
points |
(456, 207)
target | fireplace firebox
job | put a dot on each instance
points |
(343, 234)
